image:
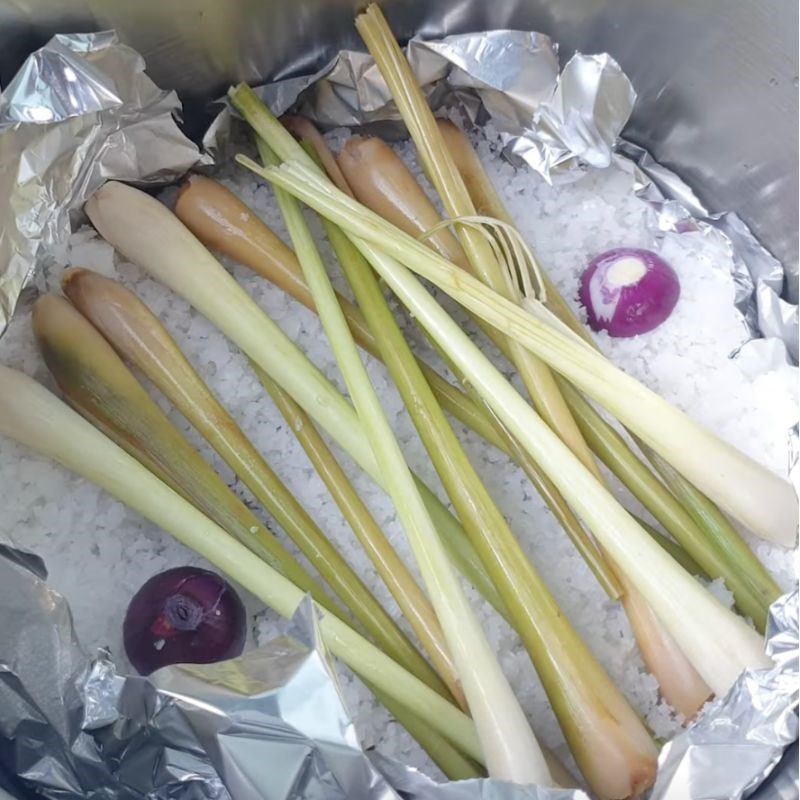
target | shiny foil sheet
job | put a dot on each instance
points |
(79, 112)
(271, 723)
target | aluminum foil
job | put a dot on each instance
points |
(736, 742)
(270, 725)
(80, 111)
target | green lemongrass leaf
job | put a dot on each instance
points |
(137, 335)
(409, 597)
(761, 500)
(511, 750)
(96, 383)
(34, 417)
(128, 219)
(442, 173)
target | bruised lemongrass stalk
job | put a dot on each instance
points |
(511, 750)
(578, 688)
(752, 586)
(441, 170)
(739, 485)
(34, 417)
(138, 335)
(224, 223)
(444, 176)
(687, 609)
(752, 581)
(96, 383)
(384, 184)
(148, 234)
(409, 597)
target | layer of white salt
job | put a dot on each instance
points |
(99, 553)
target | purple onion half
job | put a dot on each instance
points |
(628, 291)
(185, 615)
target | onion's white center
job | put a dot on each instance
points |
(626, 272)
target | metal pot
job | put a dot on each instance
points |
(717, 82)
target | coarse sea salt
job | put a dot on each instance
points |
(99, 553)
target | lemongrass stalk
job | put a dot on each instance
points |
(96, 383)
(34, 417)
(674, 549)
(384, 184)
(739, 485)
(137, 335)
(401, 584)
(511, 750)
(745, 568)
(749, 573)
(148, 234)
(222, 222)
(444, 176)
(688, 611)
(454, 765)
(380, 180)
(726, 557)
(679, 682)
(578, 688)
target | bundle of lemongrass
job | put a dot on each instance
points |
(451, 693)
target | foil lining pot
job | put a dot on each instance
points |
(82, 111)
(271, 725)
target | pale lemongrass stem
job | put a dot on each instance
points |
(223, 223)
(762, 500)
(442, 172)
(178, 260)
(138, 335)
(511, 750)
(393, 572)
(34, 417)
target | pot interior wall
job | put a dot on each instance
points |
(717, 83)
